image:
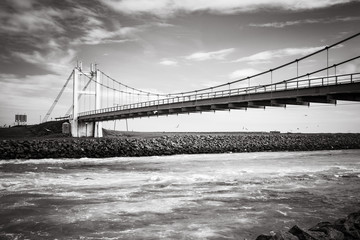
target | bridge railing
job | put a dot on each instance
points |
(291, 84)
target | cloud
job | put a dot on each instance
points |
(168, 62)
(169, 8)
(78, 24)
(162, 24)
(56, 61)
(265, 56)
(203, 56)
(156, 7)
(98, 35)
(305, 21)
(353, 67)
(96, 31)
(37, 34)
(31, 21)
(23, 4)
(241, 73)
(46, 35)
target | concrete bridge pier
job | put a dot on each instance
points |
(98, 130)
(87, 129)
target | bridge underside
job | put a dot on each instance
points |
(322, 94)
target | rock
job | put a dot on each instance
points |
(329, 230)
(174, 144)
(349, 226)
(301, 234)
(353, 224)
(279, 235)
(342, 229)
(264, 237)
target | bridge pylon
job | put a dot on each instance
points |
(86, 129)
(97, 125)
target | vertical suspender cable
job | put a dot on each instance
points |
(297, 73)
(107, 92)
(90, 97)
(83, 102)
(271, 80)
(327, 65)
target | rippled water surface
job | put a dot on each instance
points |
(212, 196)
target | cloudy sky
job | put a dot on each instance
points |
(170, 46)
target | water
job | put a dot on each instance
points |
(212, 196)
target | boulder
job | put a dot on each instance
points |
(328, 229)
(349, 226)
(278, 235)
(301, 234)
(264, 237)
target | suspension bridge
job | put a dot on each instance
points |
(97, 97)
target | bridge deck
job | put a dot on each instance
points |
(277, 95)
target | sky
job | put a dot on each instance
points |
(168, 46)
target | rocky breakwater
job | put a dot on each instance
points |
(173, 144)
(342, 229)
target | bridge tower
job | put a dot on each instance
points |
(88, 129)
(97, 125)
(74, 118)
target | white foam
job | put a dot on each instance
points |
(204, 232)
(22, 204)
(282, 213)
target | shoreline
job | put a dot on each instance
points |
(172, 144)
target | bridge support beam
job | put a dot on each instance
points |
(175, 110)
(290, 101)
(316, 99)
(188, 109)
(345, 97)
(266, 103)
(237, 106)
(203, 108)
(219, 107)
(252, 104)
